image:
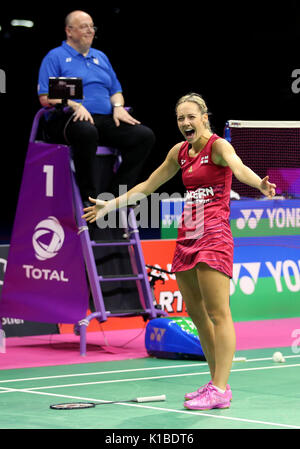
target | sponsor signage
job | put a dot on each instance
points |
(265, 218)
(266, 278)
(247, 218)
(265, 283)
(45, 277)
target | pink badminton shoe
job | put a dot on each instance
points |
(209, 399)
(194, 394)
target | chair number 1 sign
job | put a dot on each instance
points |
(49, 170)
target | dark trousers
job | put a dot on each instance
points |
(134, 142)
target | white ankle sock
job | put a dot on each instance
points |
(219, 389)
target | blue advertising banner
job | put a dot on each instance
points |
(248, 218)
(266, 278)
(266, 264)
(265, 218)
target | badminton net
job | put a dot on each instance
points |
(268, 148)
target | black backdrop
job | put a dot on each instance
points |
(240, 57)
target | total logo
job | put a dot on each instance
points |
(47, 240)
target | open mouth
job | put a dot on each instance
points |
(189, 133)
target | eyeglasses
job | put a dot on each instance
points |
(85, 27)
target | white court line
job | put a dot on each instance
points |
(7, 390)
(105, 372)
(135, 379)
(160, 409)
(201, 364)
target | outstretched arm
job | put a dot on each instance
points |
(225, 155)
(161, 175)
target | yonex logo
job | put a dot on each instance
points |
(250, 217)
(48, 238)
(248, 280)
(157, 334)
(169, 219)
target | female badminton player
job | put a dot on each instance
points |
(203, 258)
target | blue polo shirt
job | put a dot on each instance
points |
(99, 79)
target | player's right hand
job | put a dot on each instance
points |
(93, 213)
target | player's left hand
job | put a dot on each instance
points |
(267, 188)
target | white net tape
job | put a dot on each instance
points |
(262, 124)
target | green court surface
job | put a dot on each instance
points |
(266, 394)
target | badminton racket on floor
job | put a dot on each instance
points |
(81, 405)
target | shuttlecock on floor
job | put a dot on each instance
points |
(278, 357)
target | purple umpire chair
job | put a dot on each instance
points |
(148, 308)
